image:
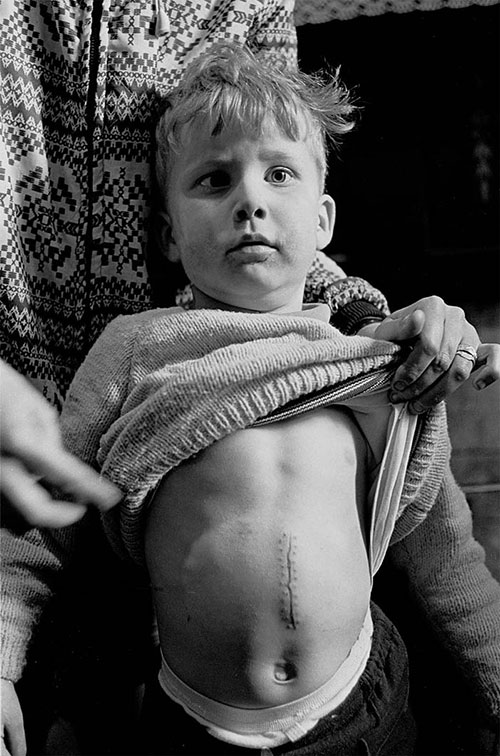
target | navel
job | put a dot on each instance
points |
(284, 671)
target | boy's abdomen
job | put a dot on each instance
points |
(257, 560)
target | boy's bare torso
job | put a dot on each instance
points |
(257, 558)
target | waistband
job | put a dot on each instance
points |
(274, 725)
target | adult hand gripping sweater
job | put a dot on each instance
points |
(162, 385)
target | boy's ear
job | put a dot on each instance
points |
(326, 221)
(166, 240)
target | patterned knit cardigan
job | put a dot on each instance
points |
(162, 385)
(82, 84)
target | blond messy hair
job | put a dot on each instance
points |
(228, 86)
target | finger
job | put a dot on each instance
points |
(27, 420)
(403, 328)
(437, 393)
(419, 372)
(5, 751)
(457, 336)
(25, 495)
(458, 373)
(14, 741)
(13, 736)
(487, 368)
(426, 352)
(422, 381)
(72, 477)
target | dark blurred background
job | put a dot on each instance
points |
(417, 183)
(417, 191)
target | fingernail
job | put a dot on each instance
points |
(480, 385)
(400, 385)
(394, 398)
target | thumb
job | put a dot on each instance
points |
(487, 367)
(400, 327)
(13, 738)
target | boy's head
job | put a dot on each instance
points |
(228, 86)
(241, 162)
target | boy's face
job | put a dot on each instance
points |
(245, 217)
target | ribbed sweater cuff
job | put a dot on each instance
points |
(13, 652)
(354, 315)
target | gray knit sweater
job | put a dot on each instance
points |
(162, 385)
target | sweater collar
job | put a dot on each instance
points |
(320, 311)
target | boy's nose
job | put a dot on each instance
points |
(246, 210)
(248, 204)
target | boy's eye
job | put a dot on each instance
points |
(214, 180)
(280, 175)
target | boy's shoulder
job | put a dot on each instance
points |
(138, 321)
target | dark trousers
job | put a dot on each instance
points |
(373, 721)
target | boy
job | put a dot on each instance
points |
(269, 510)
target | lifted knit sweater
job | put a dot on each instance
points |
(161, 386)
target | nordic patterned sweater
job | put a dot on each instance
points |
(160, 386)
(81, 86)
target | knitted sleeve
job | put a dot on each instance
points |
(32, 564)
(353, 302)
(273, 34)
(447, 575)
(99, 388)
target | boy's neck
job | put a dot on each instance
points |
(204, 301)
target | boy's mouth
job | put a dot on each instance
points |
(252, 242)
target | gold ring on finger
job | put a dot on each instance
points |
(467, 352)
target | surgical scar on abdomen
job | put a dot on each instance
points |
(288, 580)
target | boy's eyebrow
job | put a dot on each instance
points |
(214, 162)
(278, 155)
(205, 165)
(210, 162)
